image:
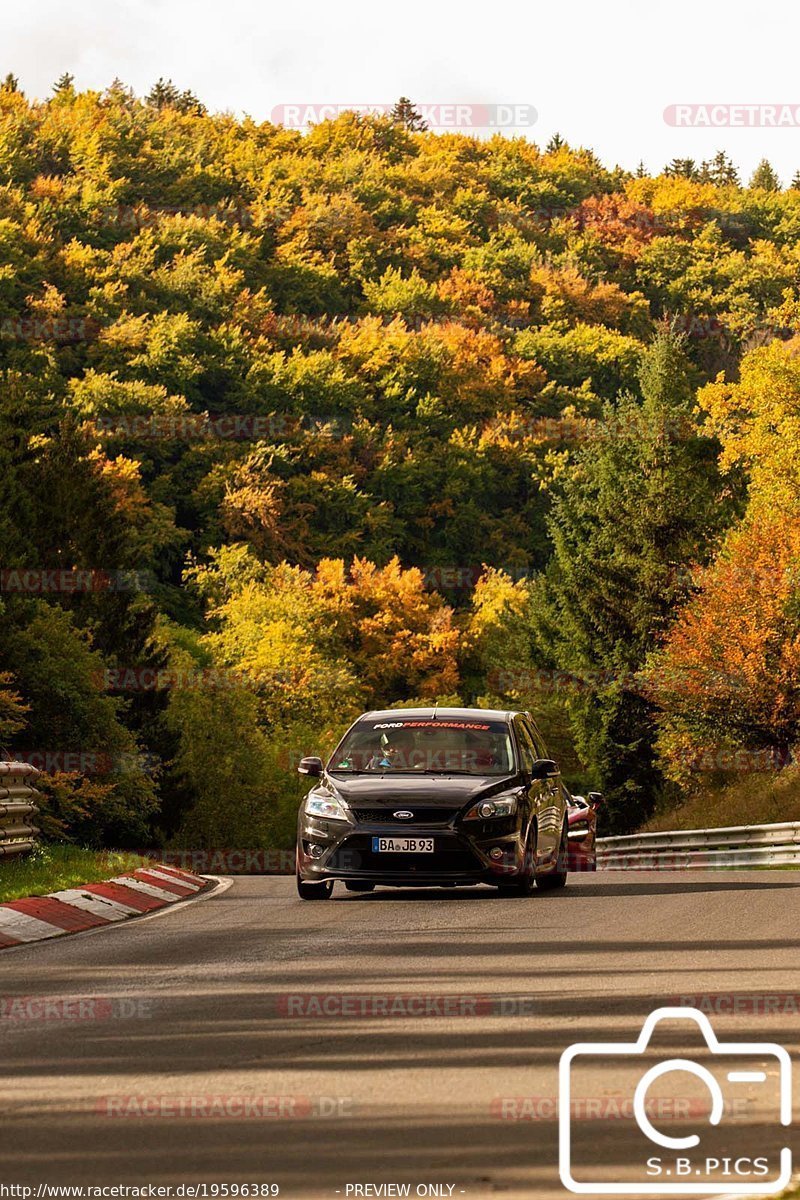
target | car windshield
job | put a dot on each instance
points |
(433, 747)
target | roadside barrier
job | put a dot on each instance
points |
(17, 808)
(732, 846)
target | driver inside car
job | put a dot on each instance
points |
(396, 752)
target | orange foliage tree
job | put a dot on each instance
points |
(398, 635)
(728, 675)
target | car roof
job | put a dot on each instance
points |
(439, 714)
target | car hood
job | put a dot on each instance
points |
(449, 791)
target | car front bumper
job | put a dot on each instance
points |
(336, 850)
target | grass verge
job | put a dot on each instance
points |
(50, 868)
(761, 798)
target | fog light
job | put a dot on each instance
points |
(315, 850)
(495, 853)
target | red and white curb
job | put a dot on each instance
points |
(95, 904)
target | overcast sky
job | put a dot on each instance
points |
(601, 72)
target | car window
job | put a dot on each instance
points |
(465, 746)
(539, 747)
(526, 747)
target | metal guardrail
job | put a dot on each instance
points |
(731, 846)
(17, 808)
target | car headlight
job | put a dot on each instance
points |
(325, 806)
(484, 810)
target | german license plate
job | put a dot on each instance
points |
(393, 845)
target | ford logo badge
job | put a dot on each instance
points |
(403, 814)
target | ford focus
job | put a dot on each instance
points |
(443, 797)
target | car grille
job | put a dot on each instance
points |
(450, 857)
(422, 816)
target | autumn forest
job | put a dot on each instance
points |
(300, 424)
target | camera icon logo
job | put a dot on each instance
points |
(750, 1078)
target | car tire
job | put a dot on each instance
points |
(525, 882)
(314, 891)
(556, 879)
(357, 886)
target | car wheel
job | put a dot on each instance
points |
(525, 882)
(357, 886)
(557, 878)
(314, 891)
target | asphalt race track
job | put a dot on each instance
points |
(131, 1054)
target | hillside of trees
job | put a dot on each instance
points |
(295, 425)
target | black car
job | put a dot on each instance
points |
(434, 796)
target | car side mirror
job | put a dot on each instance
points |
(595, 799)
(310, 766)
(544, 768)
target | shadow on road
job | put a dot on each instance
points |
(215, 986)
(570, 892)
